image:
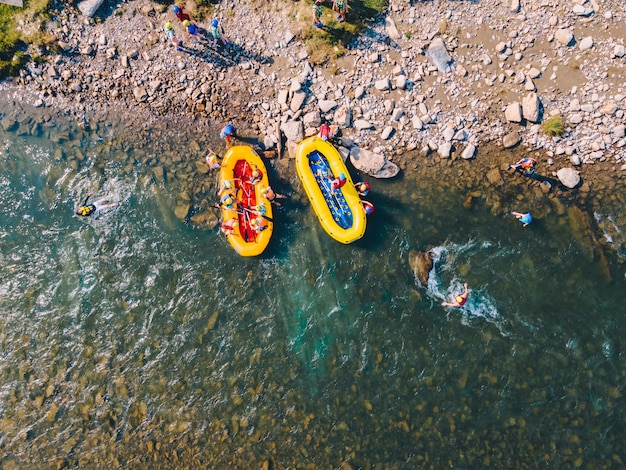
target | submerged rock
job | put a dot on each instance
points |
(374, 164)
(568, 177)
(421, 263)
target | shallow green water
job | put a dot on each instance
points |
(134, 338)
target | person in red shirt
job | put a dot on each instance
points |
(180, 14)
(459, 299)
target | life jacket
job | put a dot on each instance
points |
(460, 300)
(182, 16)
(215, 32)
(324, 132)
(339, 181)
(363, 188)
(368, 207)
(86, 210)
(528, 164)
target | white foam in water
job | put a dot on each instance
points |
(479, 303)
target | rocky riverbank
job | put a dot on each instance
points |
(433, 77)
(427, 82)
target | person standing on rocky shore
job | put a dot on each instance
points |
(171, 36)
(227, 133)
(180, 14)
(317, 14)
(218, 33)
(341, 7)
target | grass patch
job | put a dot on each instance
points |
(553, 126)
(329, 43)
(20, 27)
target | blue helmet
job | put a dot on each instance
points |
(214, 23)
(175, 9)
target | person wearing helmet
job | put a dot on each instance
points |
(85, 209)
(338, 182)
(218, 33)
(170, 35)
(271, 196)
(256, 175)
(227, 201)
(212, 160)
(228, 227)
(317, 14)
(325, 132)
(180, 14)
(363, 188)
(193, 32)
(259, 224)
(368, 207)
(227, 132)
(459, 299)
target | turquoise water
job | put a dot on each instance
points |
(135, 338)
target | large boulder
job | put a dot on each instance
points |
(293, 130)
(374, 164)
(513, 112)
(89, 7)
(531, 107)
(438, 54)
(421, 263)
(568, 177)
(391, 29)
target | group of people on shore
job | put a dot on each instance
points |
(194, 32)
(339, 6)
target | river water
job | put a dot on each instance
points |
(135, 340)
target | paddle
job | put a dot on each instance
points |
(269, 219)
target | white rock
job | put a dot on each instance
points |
(362, 124)
(582, 11)
(511, 139)
(575, 118)
(530, 107)
(439, 56)
(447, 134)
(619, 51)
(586, 43)
(564, 36)
(460, 136)
(293, 130)
(374, 164)
(387, 132)
(445, 150)
(312, 119)
(529, 85)
(297, 100)
(418, 125)
(282, 96)
(574, 105)
(359, 91)
(619, 131)
(89, 7)
(397, 114)
(343, 116)
(382, 85)
(568, 177)
(515, 6)
(469, 152)
(576, 160)
(534, 73)
(391, 29)
(327, 105)
(401, 82)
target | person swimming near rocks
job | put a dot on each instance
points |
(459, 299)
(85, 209)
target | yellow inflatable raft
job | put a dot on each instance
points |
(327, 183)
(246, 212)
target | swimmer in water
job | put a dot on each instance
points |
(459, 299)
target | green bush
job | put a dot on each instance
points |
(553, 126)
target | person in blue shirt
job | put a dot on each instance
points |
(524, 218)
(227, 132)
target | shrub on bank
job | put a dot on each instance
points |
(553, 126)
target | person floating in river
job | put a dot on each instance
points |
(525, 218)
(363, 188)
(271, 196)
(459, 299)
(212, 160)
(527, 165)
(101, 204)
